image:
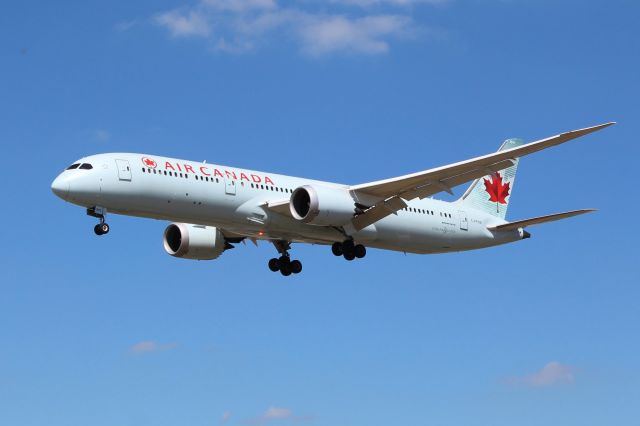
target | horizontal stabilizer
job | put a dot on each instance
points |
(536, 220)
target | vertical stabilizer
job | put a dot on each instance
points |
(492, 193)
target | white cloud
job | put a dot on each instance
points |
(192, 23)
(363, 35)
(238, 26)
(240, 5)
(148, 346)
(554, 373)
(403, 3)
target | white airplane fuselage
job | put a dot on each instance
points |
(236, 201)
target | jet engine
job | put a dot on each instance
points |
(197, 242)
(322, 205)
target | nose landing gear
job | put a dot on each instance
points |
(99, 212)
(101, 229)
(349, 250)
(284, 264)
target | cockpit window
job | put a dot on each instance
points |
(86, 166)
(73, 166)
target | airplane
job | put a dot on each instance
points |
(213, 207)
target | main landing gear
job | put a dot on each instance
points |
(349, 250)
(284, 264)
(100, 212)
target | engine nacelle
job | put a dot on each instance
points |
(322, 205)
(197, 242)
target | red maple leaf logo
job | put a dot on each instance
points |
(149, 162)
(498, 192)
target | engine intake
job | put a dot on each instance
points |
(197, 242)
(321, 205)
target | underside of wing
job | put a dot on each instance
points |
(389, 195)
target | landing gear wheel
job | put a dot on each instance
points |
(336, 249)
(349, 255)
(360, 251)
(101, 229)
(285, 269)
(274, 265)
(284, 264)
(104, 228)
(295, 266)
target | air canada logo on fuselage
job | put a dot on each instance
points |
(206, 171)
(148, 162)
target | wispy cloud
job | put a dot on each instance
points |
(148, 346)
(403, 3)
(237, 26)
(240, 5)
(190, 23)
(123, 26)
(226, 416)
(365, 35)
(278, 413)
(102, 135)
(552, 374)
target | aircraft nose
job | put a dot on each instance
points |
(60, 187)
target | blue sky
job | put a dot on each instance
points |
(111, 330)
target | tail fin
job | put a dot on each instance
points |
(492, 193)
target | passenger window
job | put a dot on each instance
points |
(143, 170)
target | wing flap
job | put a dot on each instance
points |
(538, 220)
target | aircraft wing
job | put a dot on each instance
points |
(392, 193)
(537, 220)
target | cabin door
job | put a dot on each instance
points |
(229, 186)
(124, 170)
(464, 222)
